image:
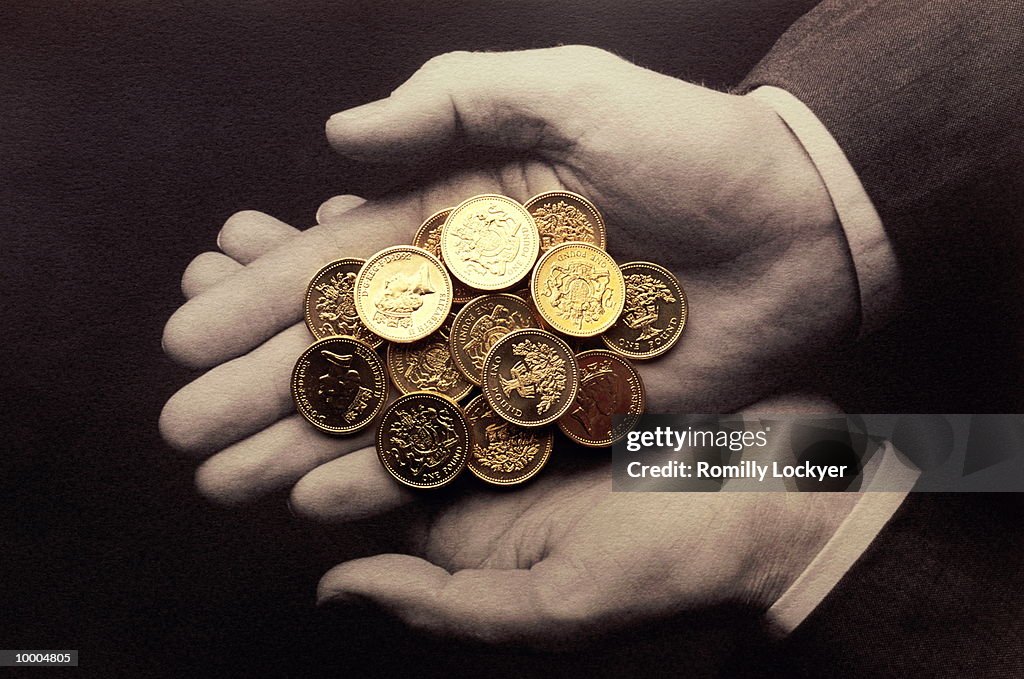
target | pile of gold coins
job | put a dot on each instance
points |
(519, 361)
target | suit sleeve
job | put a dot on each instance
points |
(925, 99)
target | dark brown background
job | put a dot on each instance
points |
(130, 132)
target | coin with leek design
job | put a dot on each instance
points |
(427, 366)
(654, 314)
(339, 385)
(489, 242)
(530, 377)
(403, 293)
(428, 237)
(564, 217)
(609, 387)
(578, 289)
(502, 453)
(480, 324)
(330, 307)
(423, 440)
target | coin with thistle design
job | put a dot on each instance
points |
(564, 217)
(530, 377)
(503, 453)
(654, 314)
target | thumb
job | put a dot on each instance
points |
(529, 100)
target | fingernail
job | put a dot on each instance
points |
(360, 112)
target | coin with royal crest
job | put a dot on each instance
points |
(564, 217)
(403, 293)
(428, 237)
(339, 385)
(503, 453)
(489, 242)
(423, 440)
(654, 315)
(480, 324)
(427, 366)
(330, 307)
(609, 402)
(530, 377)
(578, 289)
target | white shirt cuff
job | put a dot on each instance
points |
(873, 510)
(874, 261)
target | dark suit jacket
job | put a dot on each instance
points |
(924, 97)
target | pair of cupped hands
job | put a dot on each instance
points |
(711, 185)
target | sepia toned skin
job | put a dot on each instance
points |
(480, 324)
(427, 366)
(428, 237)
(339, 385)
(502, 453)
(609, 386)
(668, 162)
(330, 305)
(654, 315)
(403, 294)
(564, 216)
(489, 242)
(423, 440)
(578, 289)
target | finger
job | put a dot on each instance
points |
(248, 235)
(271, 460)
(533, 99)
(266, 296)
(205, 271)
(347, 489)
(332, 208)
(537, 606)
(237, 398)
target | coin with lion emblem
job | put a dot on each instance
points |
(480, 324)
(578, 289)
(423, 440)
(489, 242)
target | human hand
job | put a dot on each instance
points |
(709, 184)
(564, 560)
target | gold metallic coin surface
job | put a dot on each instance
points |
(578, 289)
(609, 386)
(564, 217)
(530, 377)
(428, 237)
(339, 385)
(480, 324)
(423, 440)
(503, 453)
(403, 293)
(489, 242)
(654, 315)
(330, 305)
(427, 366)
